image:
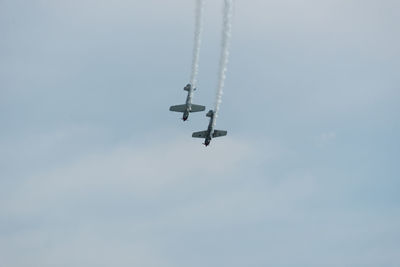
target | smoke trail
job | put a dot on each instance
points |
(223, 64)
(197, 41)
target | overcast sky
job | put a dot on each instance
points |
(95, 171)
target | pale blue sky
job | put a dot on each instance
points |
(95, 171)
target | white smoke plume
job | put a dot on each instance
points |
(197, 42)
(223, 64)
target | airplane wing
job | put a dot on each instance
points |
(178, 108)
(197, 108)
(218, 133)
(201, 134)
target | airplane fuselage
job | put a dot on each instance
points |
(188, 104)
(210, 129)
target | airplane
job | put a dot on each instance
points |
(210, 132)
(188, 107)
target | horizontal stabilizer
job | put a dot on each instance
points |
(218, 133)
(201, 134)
(197, 108)
(178, 108)
(187, 87)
